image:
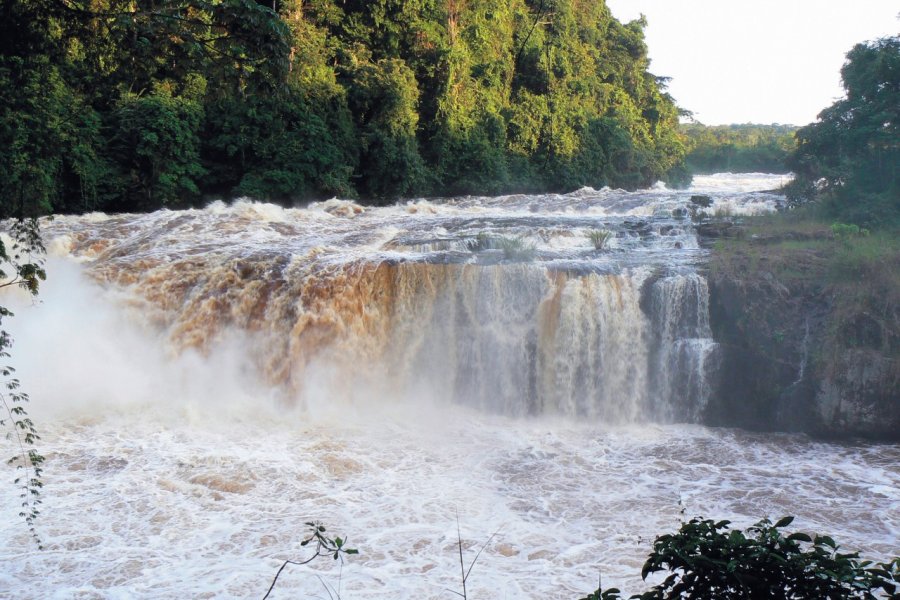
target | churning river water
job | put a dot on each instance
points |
(207, 381)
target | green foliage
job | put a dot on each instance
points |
(707, 560)
(844, 231)
(516, 248)
(20, 266)
(323, 545)
(849, 159)
(284, 147)
(599, 238)
(157, 149)
(115, 105)
(601, 594)
(383, 98)
(739, 148)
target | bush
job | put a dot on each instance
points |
(706, 560)
(599, 237)
(516, 248)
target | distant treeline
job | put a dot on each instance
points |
(739, 148)
(124, 105)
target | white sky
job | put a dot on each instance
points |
(756, 61)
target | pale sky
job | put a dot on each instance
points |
(756, 61)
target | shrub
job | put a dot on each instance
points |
(707, 560)
(599, 237)
(480, 242)
(844, 231)
(516, 248)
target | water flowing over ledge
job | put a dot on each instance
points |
(502, 303)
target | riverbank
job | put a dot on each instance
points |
(808, 318)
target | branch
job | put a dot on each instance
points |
(540, 15)
(290, 562)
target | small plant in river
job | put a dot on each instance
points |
(464, 573)
(599, 238)
(480, 242)
(335, 547)
(517, 248)
(514, 248)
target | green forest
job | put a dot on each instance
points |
(738, 148)
(133, 105)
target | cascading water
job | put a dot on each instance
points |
(208, 380)
(679, 308)
(498, 303)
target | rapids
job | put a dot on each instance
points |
(206, 381)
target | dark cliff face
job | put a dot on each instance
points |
(796, 355)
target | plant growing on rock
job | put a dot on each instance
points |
(599, 238)
(517, 248)
(480, 242)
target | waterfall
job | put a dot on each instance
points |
(684, 350)
(501, 304)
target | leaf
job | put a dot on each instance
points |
(784, 522)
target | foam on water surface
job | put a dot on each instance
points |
(147, 507)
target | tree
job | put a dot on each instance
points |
(122, 105)
(739, 148)
(158, 150)
(849, 159)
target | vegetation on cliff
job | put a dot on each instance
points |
(123, 105)
(808, 316)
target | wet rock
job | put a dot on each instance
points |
(639, 227)
(701, 200)
(667, 230)
(795, 359)
(714, 229)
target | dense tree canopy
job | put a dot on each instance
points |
(138, 104)
(850, 157)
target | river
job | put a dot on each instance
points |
(207, 381)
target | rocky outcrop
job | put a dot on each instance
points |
(796, 353)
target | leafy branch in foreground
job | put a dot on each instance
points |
(707, 560)
(18, 267)
(324, 546)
